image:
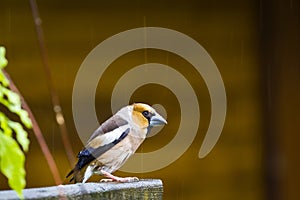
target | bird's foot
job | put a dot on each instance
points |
(112, 178)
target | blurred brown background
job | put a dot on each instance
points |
(255, 45)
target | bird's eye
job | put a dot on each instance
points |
(146, 113)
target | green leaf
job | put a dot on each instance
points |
(13, 98)
(4, 125)
(11, 155)
(21, 134)
(3, 61)
(25, 119)
(12, 163)
(3, 79)
(13, 103)
(9, 126)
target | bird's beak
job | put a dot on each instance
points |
(157, 120)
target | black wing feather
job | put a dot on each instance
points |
(87, 155)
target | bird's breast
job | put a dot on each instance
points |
(113, 159)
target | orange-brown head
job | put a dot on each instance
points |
(145, 116)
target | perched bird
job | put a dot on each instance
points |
(114, 142)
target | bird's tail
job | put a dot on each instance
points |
(84, 158)
(77, 175)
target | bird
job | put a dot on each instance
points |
(114, 142)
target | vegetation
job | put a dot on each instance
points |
(13, 137)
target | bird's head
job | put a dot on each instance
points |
(145, 116)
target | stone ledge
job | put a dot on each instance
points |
(143, 189)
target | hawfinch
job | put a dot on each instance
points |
(114, 142)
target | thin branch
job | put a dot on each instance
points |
(37, 132)
(54, 97)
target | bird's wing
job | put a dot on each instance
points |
(110, 134)
(109, 125)
(100, 144)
